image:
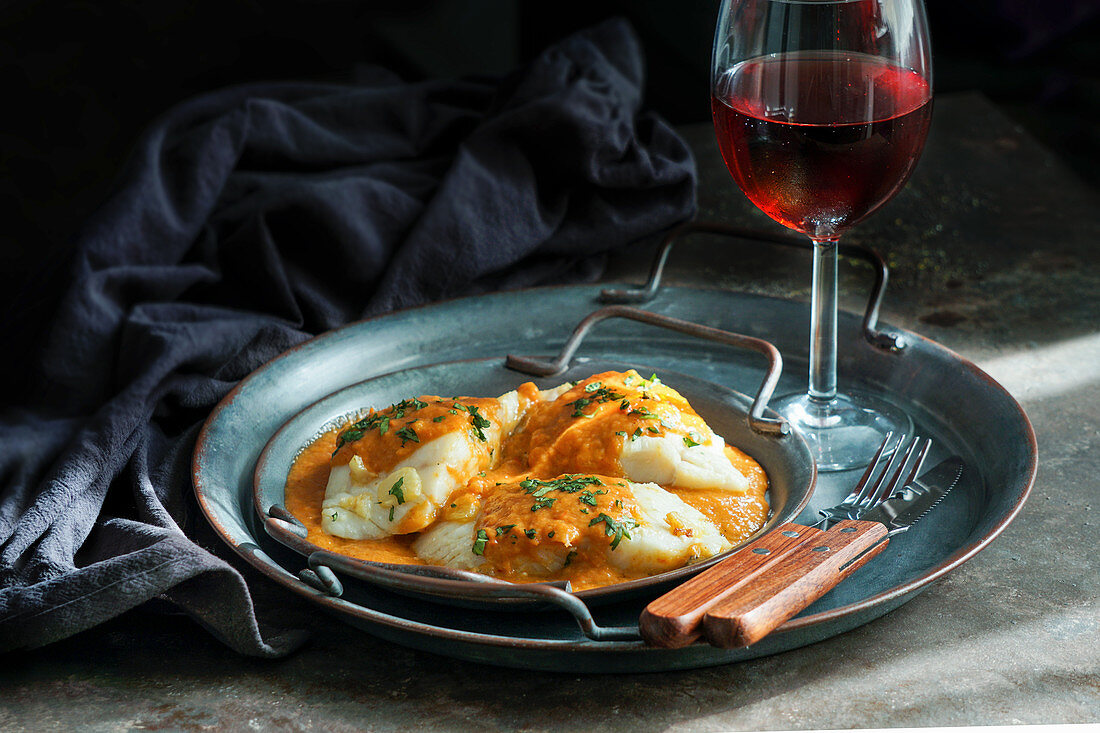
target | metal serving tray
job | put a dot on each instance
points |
(949, 399)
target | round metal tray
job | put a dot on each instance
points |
(949, 398)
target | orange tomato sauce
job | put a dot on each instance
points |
(578, 433)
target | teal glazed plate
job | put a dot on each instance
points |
(950, 399)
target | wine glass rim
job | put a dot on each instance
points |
(815, 2)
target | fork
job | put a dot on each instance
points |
(867, 494)
(675, 619)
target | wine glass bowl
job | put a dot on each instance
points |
(821, 109)
(814, 163)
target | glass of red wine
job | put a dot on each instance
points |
(821, 108)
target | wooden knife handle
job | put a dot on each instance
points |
(790, 585)
(675, 619)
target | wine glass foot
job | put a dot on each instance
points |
(846, 431)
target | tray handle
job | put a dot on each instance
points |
(287, 530)
(591, 630)
(756, 418)
(881, 339)
(284, 527)
(460, 584)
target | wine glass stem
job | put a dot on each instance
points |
(823, 321)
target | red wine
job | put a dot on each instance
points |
(818, 140)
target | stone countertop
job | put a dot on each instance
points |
(993, 250)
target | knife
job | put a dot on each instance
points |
(904, 508)
(743, 598)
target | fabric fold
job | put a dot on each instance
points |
(254, 217)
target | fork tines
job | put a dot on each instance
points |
(885, 475)
(875, 493)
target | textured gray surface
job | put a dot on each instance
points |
(993, 248)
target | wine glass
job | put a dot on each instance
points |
(821, 108)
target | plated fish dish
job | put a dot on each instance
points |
(597, 482)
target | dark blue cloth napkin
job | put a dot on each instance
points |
(254, 217)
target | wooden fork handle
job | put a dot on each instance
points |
(675, 619)
(789, 585)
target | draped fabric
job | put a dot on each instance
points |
(254, 217)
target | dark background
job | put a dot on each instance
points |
(83, 78)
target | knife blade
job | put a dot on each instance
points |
(904, 508)
(770, 580)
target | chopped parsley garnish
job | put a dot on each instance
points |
(569, 558)
(478, 422)
(689, 441)
(597, 394)
(587, 497)
(439, 418)
(653, 430)
(358, 429)
(617, 528)
(530, 533)
(479, 543)
(569, 483)
(644, 413)
(637, 434)
(348, 436)
(397, 492)
(544, 502)
(406, 434)
(605, 394)
(334, 515)
(579, 405)
(404, 406)
(380, 420)
(504, 528)
(550, 533)
(620, 432)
